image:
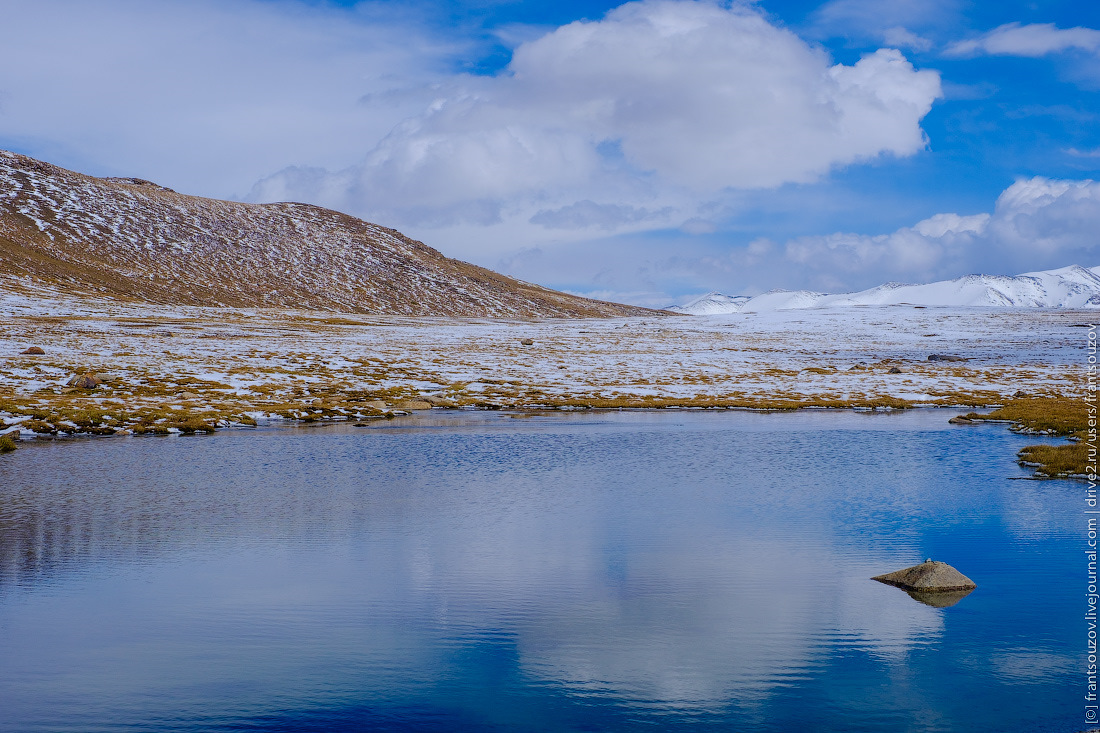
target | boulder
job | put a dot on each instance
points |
(33, 351)
(960, 420)
(893, 370)
(929, 577)
(527, 342)
(85, 381)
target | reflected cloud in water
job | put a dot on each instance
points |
(705, 568)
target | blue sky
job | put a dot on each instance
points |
(642, 152)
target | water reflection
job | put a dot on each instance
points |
(543, 574)
(941, 599)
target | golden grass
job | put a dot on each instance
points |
(1051, 415)
(1062, 416)
(7, 444)
(1057, 460)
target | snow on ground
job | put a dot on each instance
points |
(220, 363)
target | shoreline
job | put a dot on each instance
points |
(1040, 470)
(111, 367)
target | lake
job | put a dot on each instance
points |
(661, 570)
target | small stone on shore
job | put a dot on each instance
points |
(85, 381)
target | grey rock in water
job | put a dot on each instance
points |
(928, 577)
(945, 357)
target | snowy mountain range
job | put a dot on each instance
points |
(1066, 287)
(133, 239)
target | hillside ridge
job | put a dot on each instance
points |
(134, 239)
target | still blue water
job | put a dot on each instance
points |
(563, 572)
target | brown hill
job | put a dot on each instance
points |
(130, 238)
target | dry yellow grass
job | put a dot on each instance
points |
(1057, 460)
(179, 369)
(1061, 416)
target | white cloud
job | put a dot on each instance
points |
(1043, 217)
(1037, 223)
(584, 214)
(207, 96)
(1033, 40)
(876, 14)
(657, 103)
(892, 22)
(899, 37)
(1077, 153)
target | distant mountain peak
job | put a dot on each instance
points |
(1072, 286)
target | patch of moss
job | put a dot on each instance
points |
(7, 444)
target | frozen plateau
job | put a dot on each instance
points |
(187, 313)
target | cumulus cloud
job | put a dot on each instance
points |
(1033, 40)
(655, 104)
(1037, 223)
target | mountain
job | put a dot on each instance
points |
(1067, 287)
(712, 304)
(131, 238)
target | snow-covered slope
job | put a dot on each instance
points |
(1066, 287)
(712, 304)
(134, 239)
